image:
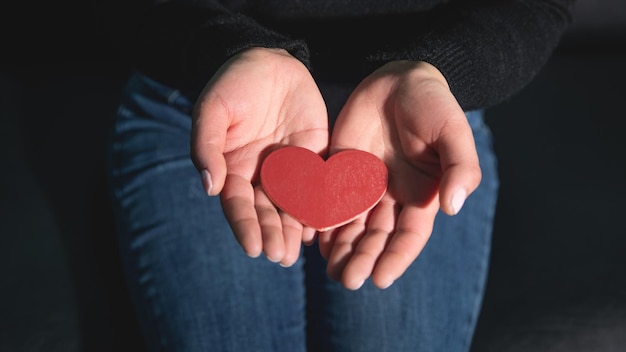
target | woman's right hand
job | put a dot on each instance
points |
(260, 99)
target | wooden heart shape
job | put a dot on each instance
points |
(323, 194)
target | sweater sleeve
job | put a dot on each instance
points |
(487, 50)
(183, 43)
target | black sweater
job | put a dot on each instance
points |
(486, 49)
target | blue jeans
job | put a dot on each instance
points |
(194, 289)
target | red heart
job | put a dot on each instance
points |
(323, 194)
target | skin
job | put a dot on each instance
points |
(259, 100)
(404, 113)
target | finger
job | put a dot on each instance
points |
(208, 140)
(460, 165)
(325, 241)
(292, 237)
(362, 262)
(411, 234)
(308, 235)
(271, 227)
(346, 239)
(238, 204)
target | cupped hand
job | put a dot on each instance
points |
(260, 99)
(405, 114)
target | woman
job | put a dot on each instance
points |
(217, 85)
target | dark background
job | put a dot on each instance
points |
(557, 279)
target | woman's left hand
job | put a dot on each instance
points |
(405, 114)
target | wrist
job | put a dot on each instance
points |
(420, 71)
(431, 72)
(264, 52)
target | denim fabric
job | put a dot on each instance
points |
(194, 289)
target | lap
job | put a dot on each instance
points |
(195, 289)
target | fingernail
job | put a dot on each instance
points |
(288, 265)
(252, 255)
(357, 286)
(387, 285)
(457, 201)
(206, 181)
(275, 258)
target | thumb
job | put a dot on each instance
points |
(460, 165)
(208, 140)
